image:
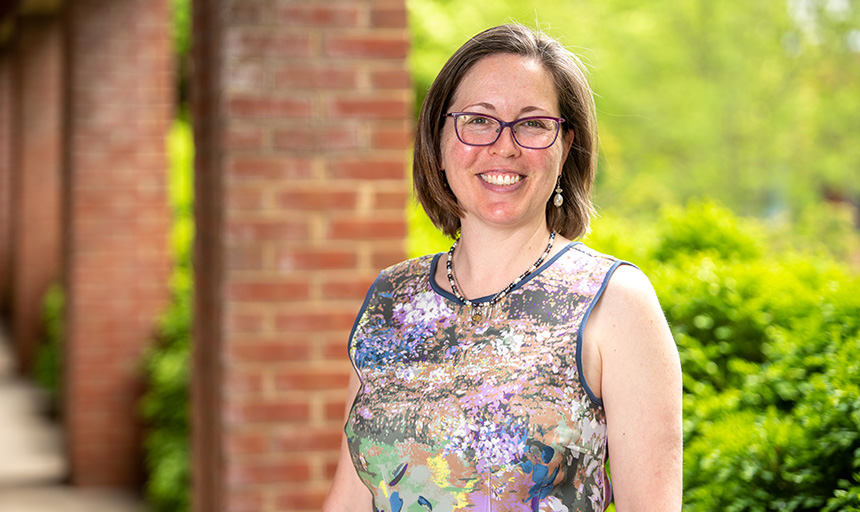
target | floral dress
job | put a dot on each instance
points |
(493, 415)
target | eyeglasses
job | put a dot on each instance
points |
(473, 129)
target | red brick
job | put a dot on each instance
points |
(391, 201)
(366, 46)
(245, 137)
(334, 410)
(389, 17)
(366, 169)
(250, 12)
(334, 348)
(298, 76)
(244, 322)
(316, 200)
(354, 288)
(367, 229)
(245, 198)
(315, 259)
(244, 258)
(310, 379)
(268, 107)
(305, 499)
(282, 291)
(329, 469)
(316, 138)
(302, 439)
(275, 472)
(392, 138)
(246, 43)
(324, 16)
(369, 108)
(244, 501)
(386, 258)
(247, 442)
(244, 382)
(271, 167)
(316, 321)
(267, 230)
(391, 79)
(269, 411)
(269, 351)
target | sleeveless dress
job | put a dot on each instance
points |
(493, 415)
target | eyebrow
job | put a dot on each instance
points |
(524, 110)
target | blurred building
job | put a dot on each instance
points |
(302, 118)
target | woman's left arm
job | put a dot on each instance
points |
(641, 390)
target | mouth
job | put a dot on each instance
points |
(500, 179)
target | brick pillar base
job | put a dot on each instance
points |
(35, 179)
(302, 122)
(120, 106)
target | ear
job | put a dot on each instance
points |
(568, 143)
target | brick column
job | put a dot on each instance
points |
(302, 123)
(5, 180)
(120, 93)
(36, 178)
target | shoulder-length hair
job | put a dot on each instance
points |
(576, 106)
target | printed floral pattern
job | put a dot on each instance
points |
(490, 416)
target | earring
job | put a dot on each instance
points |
(559, 199)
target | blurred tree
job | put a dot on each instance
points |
(754, 103)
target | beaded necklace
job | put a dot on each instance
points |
(478, 310)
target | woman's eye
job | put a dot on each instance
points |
(535, 123)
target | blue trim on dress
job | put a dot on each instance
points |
(357, 319)
(581, 330)
(450, 296)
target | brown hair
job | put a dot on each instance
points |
(576, 106)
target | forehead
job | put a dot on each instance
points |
(507, 82)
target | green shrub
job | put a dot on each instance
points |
(165, 406)
(769, 345)
(47, 368)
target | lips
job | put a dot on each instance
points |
(501, 179)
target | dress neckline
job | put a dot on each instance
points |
(451, 297)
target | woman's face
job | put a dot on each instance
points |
(504, 184)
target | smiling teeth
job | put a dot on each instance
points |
(504, 179)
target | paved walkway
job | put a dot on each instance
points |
(33, 469)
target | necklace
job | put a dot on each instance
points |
(478, 310)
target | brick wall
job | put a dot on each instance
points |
(119, 104)
(36, 178)
(302, 114)
(5, 179)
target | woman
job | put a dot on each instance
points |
(496, 376)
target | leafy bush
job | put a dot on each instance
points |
(165, 406)
(770, 349)
(47, 369)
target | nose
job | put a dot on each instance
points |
(505, 144)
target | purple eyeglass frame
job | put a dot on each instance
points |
(503, 125)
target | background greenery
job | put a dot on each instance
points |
(724, 127)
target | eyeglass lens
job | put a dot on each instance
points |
(532, 132)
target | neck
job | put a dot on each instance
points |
(487, 260)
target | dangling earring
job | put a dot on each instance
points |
(559, 199)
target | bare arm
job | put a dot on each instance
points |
(347, 493)
(640, 383)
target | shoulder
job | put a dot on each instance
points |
(410, 266)
(408, 274)
(628, 312)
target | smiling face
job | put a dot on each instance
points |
(503, 184)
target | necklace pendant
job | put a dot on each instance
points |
(478, 313)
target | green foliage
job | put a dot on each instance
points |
(165, 406)
(770, 349)
(753, 102)
(47, 369)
